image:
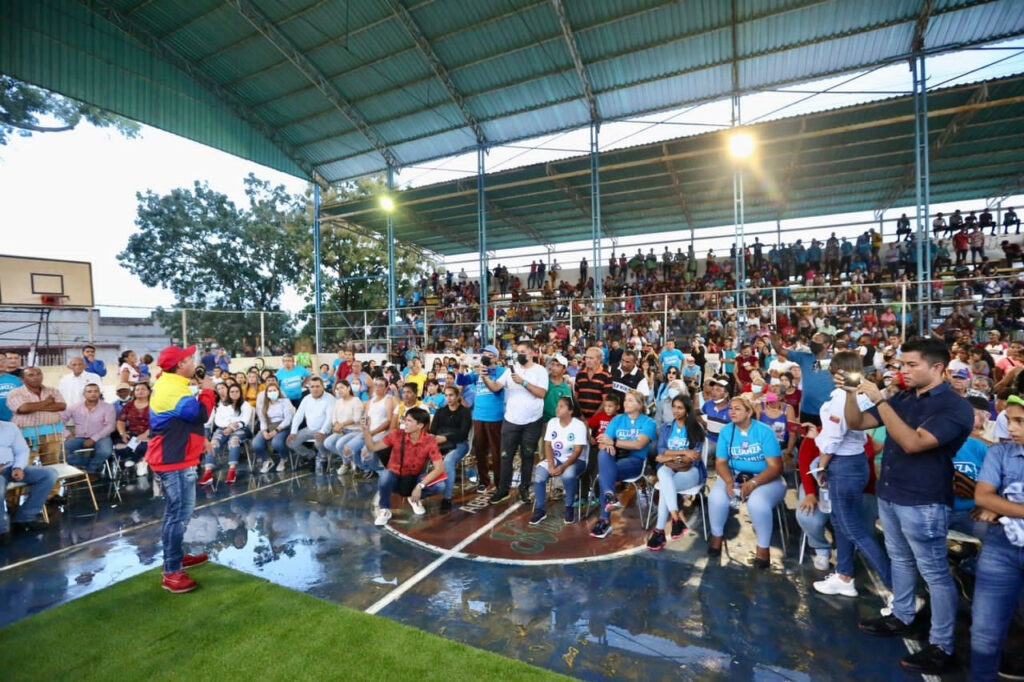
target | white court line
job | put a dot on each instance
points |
(147, 524)
(433, 565)
(913, 646)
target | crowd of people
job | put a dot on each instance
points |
(925, 435)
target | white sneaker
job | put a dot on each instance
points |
(417, 507)
(833, 584)
(141, 468)
(267, 466)
(281, 465)
(383, 516)
(821, 562)
(129, 463)
(345, 468)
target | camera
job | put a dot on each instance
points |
(852, 379)
(485, 360)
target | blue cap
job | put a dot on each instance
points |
(491, 349)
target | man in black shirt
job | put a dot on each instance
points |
(450, 427)
(627, 376)
(925, 427)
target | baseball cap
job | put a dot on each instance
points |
(560, 359)
(771, 397)
(720, 382)
(961, 373)
(172, 355)
(123, 386)
(491, 349)
(978, 402)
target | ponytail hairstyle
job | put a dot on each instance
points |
(573, 406)
(694, 430)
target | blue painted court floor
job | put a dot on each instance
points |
(645, 615)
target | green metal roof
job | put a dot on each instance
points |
(340, 88)
(851, 159)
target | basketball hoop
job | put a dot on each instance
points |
(53, 300)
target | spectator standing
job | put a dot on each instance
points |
(526, 386)
(558, 385)
(8, 382)
(488, 414)
(925, 427)
(817, 381)
(977, 242)
(93, 365)
(72, 385)
(292, 379)
(592, 383)
(128, 371)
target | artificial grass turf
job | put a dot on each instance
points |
(235, 626)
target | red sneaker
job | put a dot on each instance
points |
(207, 477)
(190, 560)
(178, 582)
(232, 474)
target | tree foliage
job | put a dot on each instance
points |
(23, 106)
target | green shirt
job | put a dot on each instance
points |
(555, 392)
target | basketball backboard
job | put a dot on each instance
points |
(43, 282)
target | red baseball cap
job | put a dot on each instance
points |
(172, 355)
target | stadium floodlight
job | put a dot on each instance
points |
(741, 145)
(387, 203)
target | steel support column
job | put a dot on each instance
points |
(481, 235)
(740, 262)
(595, 224)
(392, 298)
(317, 298)
(921, 194)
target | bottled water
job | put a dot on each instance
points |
(736, 499)
(824, 501)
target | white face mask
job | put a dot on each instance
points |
(273, 395)
(756, 389)
(673, 392)
(193, 389)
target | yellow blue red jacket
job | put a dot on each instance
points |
(176, 419)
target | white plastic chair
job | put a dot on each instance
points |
(699, 490)
(635, 482)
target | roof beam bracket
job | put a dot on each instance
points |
(577, 61)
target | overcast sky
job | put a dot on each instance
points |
(72, 195)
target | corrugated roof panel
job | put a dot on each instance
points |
(975, 23)
(417, 126)
(497, 33)
(365, 163)
(820, 59)
(530, 123)
(657, 94)
(659, 62)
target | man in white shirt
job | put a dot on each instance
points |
(72, 386)
(316, 411)
(525, 387)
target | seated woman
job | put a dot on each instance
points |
(411, 447)
(679, 454)
(253, 387)
(275, 413)
(777, 415)
(133, 426)
(749, 466)
(378, 410)
(230, 423)
(345, 430)
(623, 451)
(565, 455)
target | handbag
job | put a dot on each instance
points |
(406, 483)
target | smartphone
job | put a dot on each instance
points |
(852, 379)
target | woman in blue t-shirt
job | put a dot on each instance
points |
(749, 460)
(679, 453)
(623, 451)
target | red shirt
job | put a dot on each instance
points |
(416, 454)
(136, 421)
(344, 369)
(960, 241)
(599, 422)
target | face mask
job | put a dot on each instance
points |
(756, 389)
(273, 395)
(816, 347)
(673, 392)
(193, 389)
(522, 359)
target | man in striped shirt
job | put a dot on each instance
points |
(592, 383)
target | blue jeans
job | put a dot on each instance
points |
(234, 442)
(814, 523)
(847, 476)
(916, 539)
(337, 442)
(570, 480)
(277, 444)
(960, 519)
(451, 459)
(997, 595)
(41, 481)
(760, 505)
(180, 493)
(610, 470)
(386, 485)
(93, 463)
(669, 482)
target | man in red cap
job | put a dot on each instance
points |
(176, 419)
